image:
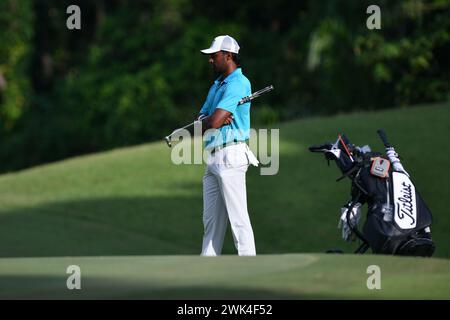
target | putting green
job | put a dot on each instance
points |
(288, 276)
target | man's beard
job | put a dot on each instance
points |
(216, 72)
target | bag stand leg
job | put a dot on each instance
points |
(365, 245)
(362, 248)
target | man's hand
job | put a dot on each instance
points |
(228, 120)
(200, 116)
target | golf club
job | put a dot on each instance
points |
(242, 101)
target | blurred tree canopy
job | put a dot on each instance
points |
(134, 72)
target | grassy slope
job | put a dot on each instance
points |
(135, 201)
(290, 276)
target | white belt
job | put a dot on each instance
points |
(215, 149)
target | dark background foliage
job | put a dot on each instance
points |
(134, 72)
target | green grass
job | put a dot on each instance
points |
(135, 201)
(288, 276)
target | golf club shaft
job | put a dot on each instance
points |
(185, 127)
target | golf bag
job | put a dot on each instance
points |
(398, 220)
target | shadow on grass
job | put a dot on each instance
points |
(124, 226)
(145, 226)
(294, 211)
(53, 287)
(167, 225)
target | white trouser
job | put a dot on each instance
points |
(225, 198)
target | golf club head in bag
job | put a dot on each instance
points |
(341, 152)
(398, 220)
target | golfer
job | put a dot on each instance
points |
(224, 189)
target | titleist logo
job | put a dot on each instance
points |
(405, 203)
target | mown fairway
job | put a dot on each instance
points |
(135, 201)
(286, 276)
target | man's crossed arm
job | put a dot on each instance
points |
(219, 118)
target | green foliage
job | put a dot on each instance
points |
(15, 45)
(134, 72)
(264, 115)
(408, 59)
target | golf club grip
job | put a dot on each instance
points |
(255, 95)
(384, 138)
(263, 90)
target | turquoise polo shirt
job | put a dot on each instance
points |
(225, 93)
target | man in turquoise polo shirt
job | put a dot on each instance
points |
(226, 128)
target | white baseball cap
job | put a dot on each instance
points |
(225, 43)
